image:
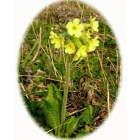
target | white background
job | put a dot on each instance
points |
(114, 11)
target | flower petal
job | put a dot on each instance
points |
(95, 26)
(82, 51)
(75, 57)
(76, 21)
(81, 26)
(74, 28)
(93, 44)
(78, 34)
(70, 48)
(69, 25)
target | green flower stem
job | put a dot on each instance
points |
(65, 96)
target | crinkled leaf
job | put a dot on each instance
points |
(54, 94)
(52, 113)
(82, 133)
(51, 106)
(87, 115)
(71, 125)
(57, 93)
(50, 95)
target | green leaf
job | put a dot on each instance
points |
(71, 125)
(50, 95)
(51, 107)
(57, 93)
(29, 54)
(52, 113)
(82, 133)
(87, 116)
(54, 94)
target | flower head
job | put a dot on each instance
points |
(85, 37)
(94, 24)
(87, 34)
(53, 35)
(81, 53)
(74, 28)
(57, 40)
(70, 48)
(93, 44)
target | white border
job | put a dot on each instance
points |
(114, 12)
(6, 74)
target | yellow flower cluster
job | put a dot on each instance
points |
(57, 40)
(78, 41)
(74, 28)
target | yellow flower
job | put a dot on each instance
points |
(74, 28)
(87, 34)
(75, 58)
(85, 38)
(94, 24)
(86, 25)
(53, 35)
(93, 44)
(81, 53)
(70, 48)
(57, 40)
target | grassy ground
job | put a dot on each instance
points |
(40, 64)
